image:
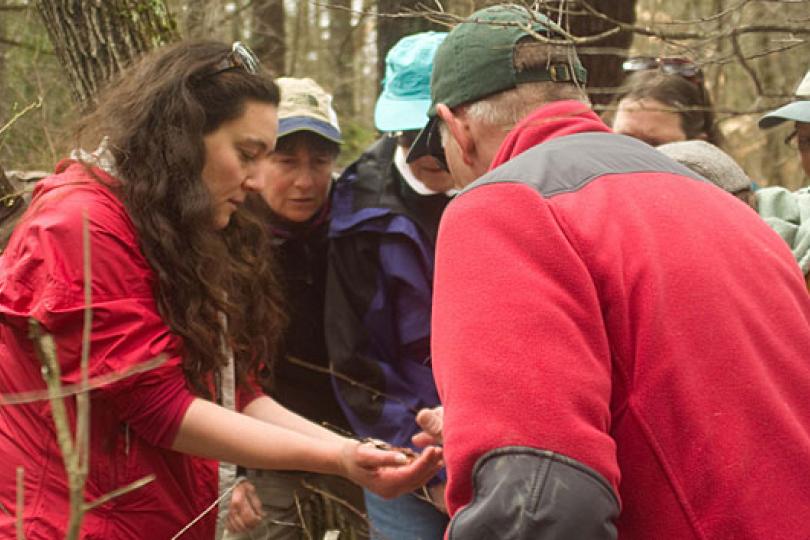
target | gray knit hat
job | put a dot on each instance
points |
(709, 162)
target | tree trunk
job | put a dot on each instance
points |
(198, 20)
(341, 45)
(390, 30)
(94, 40)
(603, 59)
(269, 37)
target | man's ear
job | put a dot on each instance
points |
(459, 130)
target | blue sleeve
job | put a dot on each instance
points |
(378, 331)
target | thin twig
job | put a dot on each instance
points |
(301, 516)
(347, 379)
(83, 398)
(118, 492)
(20, 503)
(209, 508)
(35, 105)
(67, 390)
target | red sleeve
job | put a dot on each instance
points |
(248, 392)
(44, 281)
(520, 354)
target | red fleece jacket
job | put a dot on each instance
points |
(647, 325)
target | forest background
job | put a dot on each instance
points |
(753, 53)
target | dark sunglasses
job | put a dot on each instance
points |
(435, 146)
(671, 66)
(239, 57)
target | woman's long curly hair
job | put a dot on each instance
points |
(216, 289)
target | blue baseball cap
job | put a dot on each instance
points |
(405, 98)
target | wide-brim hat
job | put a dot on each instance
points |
(798, 111)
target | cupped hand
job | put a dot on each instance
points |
(389, 473)
(432, 422)
(245, 509)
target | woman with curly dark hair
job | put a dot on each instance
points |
(177, 271)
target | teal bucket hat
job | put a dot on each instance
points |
(798, 111)
(405, 98)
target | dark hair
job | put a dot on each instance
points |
(215, 289)
(288, 144)
(690, 100)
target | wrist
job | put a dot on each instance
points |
(347, 450)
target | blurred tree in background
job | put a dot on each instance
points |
(753, 52)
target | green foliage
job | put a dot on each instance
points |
(38, 139)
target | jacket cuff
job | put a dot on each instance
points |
(522, 493)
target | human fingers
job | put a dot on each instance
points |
(244, 511)
(389, 482)
(432, 422)
(373, 455)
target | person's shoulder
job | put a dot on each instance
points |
(73, 192)
(66, 203)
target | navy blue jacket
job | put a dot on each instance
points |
(378, 297)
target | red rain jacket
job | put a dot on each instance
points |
(134, 421)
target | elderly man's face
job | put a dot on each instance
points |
(803, 142)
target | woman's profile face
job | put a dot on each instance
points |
(649, 120)
(237, 158)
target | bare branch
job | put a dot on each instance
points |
(347, 379)
(118, 492)
(20, 503)
(31, 106)
(73, 389)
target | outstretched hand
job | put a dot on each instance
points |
(431, 421)
(388, 473)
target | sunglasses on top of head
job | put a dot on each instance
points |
(671, 66)
(239, 57)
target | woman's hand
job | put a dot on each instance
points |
(245, 509)
(388, 473)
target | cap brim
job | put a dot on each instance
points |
(420, 147)
(305, 123)
(798, 111)
(400, 114)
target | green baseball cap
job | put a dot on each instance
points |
(477, 60)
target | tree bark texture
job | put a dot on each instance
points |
(342, 48)
(198, 18)
(390, 30)
(603, 58)
(93, 39)
(269, 36)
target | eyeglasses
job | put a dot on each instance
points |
(671, 66)
(239, 57)
(800, 142)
